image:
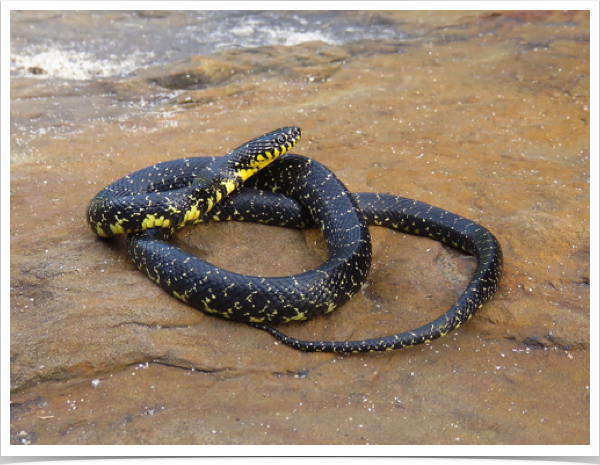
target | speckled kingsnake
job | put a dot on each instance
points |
(291, 191)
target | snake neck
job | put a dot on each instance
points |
(110, 214)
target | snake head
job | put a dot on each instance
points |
(260, 152)
(274, 143)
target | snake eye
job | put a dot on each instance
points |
(281, 139)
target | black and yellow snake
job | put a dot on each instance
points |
(260, 182)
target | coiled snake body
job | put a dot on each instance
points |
(285, 190)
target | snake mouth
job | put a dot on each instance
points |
(294, 134)
(286, 140)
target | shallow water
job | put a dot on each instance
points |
(483, 113)
(105, 46)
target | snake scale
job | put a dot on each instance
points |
(260, 181)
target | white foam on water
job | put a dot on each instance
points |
(295, 38)
(47, 63)
(255, 33)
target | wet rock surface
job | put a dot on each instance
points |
(483, 114)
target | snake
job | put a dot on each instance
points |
(261, 181)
